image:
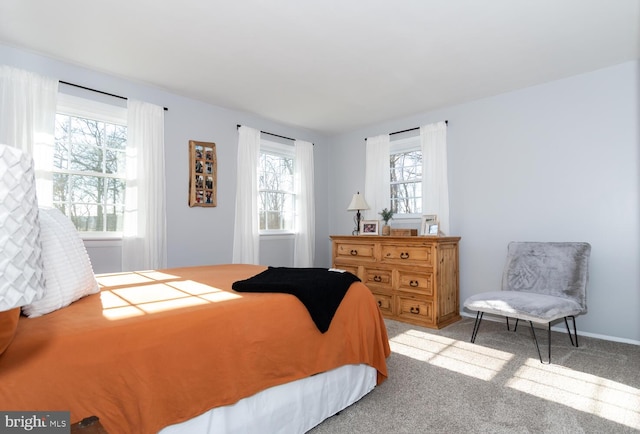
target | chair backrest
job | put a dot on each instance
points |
(559, 269)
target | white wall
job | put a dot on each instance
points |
(195, 236)
(555, 162)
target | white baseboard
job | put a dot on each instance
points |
(561, 329)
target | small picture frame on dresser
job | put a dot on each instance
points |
(369, 227)
(429, 226)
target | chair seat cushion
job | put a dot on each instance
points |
(526, 306)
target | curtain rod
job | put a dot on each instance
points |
(271, 134)
(98, 91)
(407, 130)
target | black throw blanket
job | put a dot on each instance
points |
(319, 289)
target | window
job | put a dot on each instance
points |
(405, 165)
(276, 194)
(89, 164)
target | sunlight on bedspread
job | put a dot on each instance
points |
(140, 293)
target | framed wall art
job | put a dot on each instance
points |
(203, 174)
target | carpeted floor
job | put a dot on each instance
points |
(441, 383)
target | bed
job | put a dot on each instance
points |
(176, 350)
(179, 350)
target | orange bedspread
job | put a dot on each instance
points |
(160, 347)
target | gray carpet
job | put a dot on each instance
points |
(441, 383)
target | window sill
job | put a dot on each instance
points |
(98, 236)
(99, 240)
(277, 235)
(416, 217)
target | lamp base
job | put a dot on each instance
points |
(357, 218)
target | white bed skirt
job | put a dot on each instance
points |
(294, 407)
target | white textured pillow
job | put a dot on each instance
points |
(21, 269)
(67, 267)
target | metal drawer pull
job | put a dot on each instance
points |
(379, 303)
(404, 255)
(354, 253)
(413, 283)
(377, 279)
(414, 309)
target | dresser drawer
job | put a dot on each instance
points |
(355, 252)
(385, 303)
(353, 269)
(414, 308)
(404, 254)
(412, 281)
(377, 278)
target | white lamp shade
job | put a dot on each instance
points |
(21, 265)
(357, 203)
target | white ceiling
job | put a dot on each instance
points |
(330, 65)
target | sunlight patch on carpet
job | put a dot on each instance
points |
(585, 392)
(461, 357)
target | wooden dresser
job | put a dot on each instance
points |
(414, 279)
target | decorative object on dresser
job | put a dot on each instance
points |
(430, 225)
(357, 204)
(387, 215)
(403, 232)
(413, 279)
(369, 227)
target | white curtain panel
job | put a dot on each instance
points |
(377, 190)
(246, 237)
(27, 121)
(144, 230)
(435, 184)
(304, 246)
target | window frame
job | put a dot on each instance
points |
(77, 106)
(404, 144)
(282, 150)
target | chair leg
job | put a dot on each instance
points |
(476, 326)
(549, 341)
(538, 347)
(575, 330)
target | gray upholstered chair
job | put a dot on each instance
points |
(542, 282)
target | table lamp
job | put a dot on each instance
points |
(357, 204)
